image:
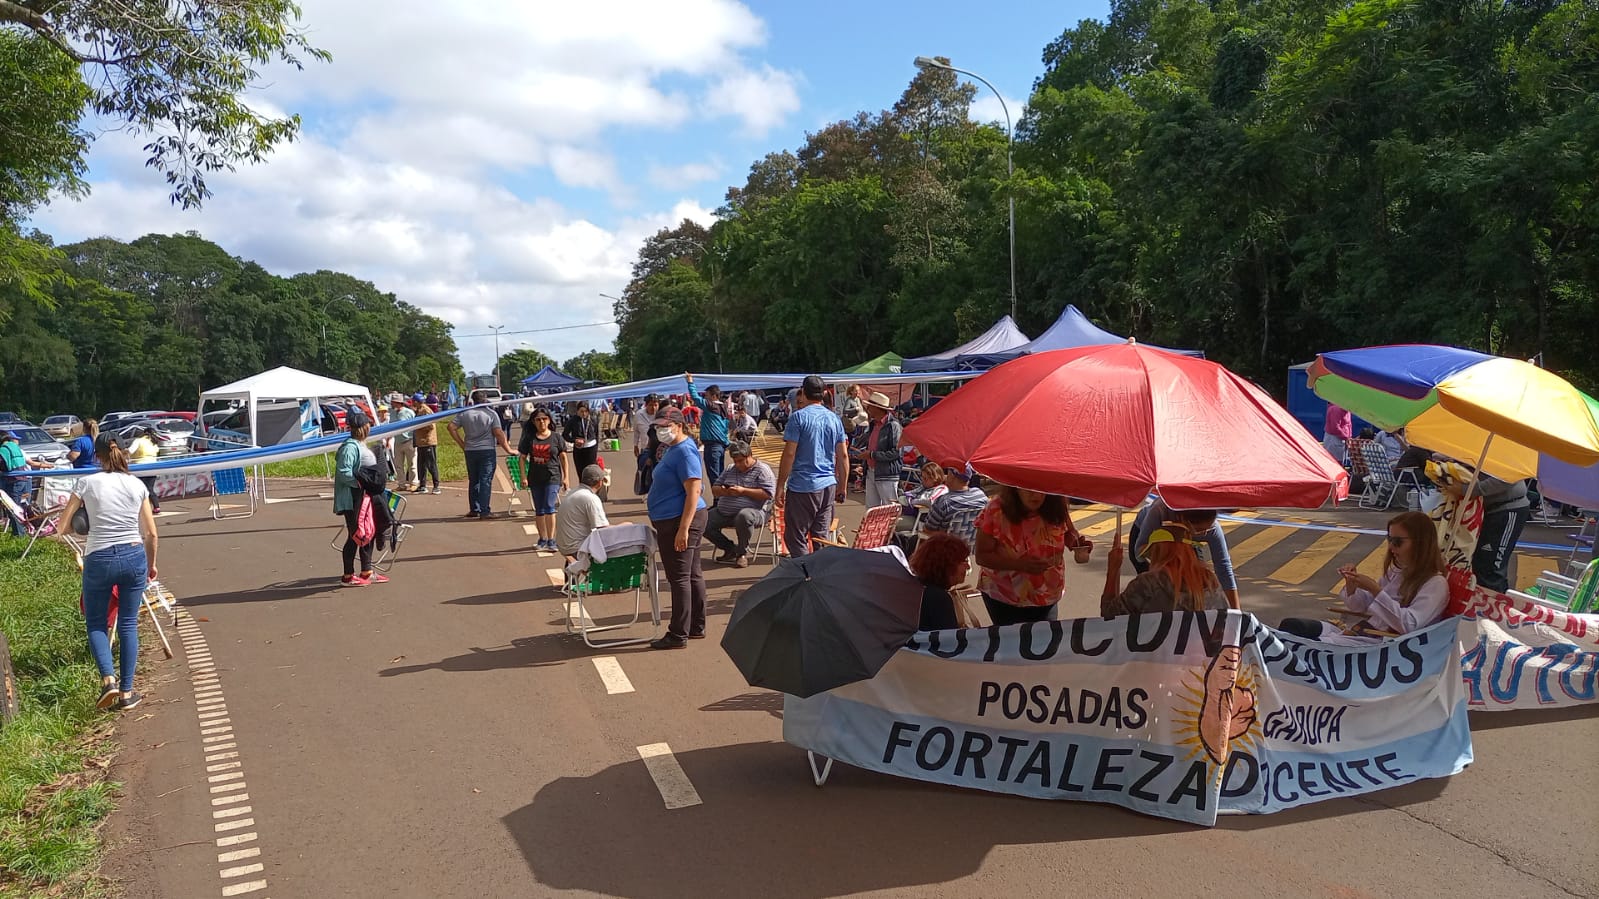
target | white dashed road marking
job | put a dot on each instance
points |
(676, 790)
(612, 675)
(224, 772)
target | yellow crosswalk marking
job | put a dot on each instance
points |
(1257, 544)
(1105, 527)
(1311, 559)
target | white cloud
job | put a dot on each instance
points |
(678, 177)
(762, 98)
(412, 129)
(986, 109)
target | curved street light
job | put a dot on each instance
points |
(324, 317)
(927, 62)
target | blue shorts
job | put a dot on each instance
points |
(545, 497)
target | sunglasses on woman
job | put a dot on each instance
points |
(1397, 541)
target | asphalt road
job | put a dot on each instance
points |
(441, 735)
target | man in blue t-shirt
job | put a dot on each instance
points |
(677, 513)
(814, 452)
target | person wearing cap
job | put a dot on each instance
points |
(404, 442)
(12, 459)
(957, 510)
(713, 427)
(882, 452)
(477, 431)
(1176, 579)
(677, 513)
(742, 493)
(119, 555)
(581, 512)
(815, 457)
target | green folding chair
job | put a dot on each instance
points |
(616, 574)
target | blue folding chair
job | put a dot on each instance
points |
(231, 482)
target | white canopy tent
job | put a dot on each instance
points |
(275, 389)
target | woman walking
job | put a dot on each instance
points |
(354, 455)
(543, 455)
(1022, 538)
(427, 456)
(119, 554)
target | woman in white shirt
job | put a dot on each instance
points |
(1412, 594)
(120, 554)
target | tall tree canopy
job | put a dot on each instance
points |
(150, 323)
(1263, 180)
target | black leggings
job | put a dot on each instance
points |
(351, 549)
(149, 487)
(427, 462)
(1002, 613)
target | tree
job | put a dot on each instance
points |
(41, 144)
(596, 365)
(519, 364)
(178, 71)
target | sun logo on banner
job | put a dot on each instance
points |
(1217, 708)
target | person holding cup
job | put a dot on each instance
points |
(1022, 540)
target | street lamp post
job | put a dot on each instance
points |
(497, 329)
(926, 62)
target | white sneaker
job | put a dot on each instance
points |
(437, 491)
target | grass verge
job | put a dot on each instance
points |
(452, 464)
(54, 755)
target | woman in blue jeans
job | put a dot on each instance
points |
(543, 453)
(120, 554)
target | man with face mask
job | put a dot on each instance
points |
(677, 513)
(741, 496)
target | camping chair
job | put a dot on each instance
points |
(1382, 485)
(231, 482)
(398, 530)
(1582, 543)
(1579, 595)
(618, 573)
(513, 465)
(877, 527)
(35, 523)
(771, 536)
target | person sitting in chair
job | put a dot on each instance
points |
(581, 513)
(742, 493)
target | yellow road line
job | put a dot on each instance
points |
(1257, 544)
(1311, 559)
(1529, 568)
(1105, 527)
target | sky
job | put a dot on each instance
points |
(500, 163)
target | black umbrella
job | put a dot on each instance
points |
(824, 620)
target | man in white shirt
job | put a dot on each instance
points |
(404, 444)
(580, 513)
(643, 424)
(752, 404)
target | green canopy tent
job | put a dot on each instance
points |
(886, 364)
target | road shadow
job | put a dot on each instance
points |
(1481, 721)
(764, 822)
(280, 592)
(524, 652)
(766, 701)
(508, 597)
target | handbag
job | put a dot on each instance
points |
(365, 528)
(80, 522)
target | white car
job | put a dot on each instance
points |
(39, 446)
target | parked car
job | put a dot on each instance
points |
(111, 418)
(63, 427)
(231, 432)
(171, 434)
(37, 444)
(10, 418)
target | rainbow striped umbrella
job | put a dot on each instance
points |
(1531, 422)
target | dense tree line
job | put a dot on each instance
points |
(1264, 180)
(151, 323)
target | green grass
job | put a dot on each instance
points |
(452, 464)
(53, 792)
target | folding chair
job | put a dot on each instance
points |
(771, 535)
(1382, 485)
(398, 530)
(513, 465)
(1582, 543)
(877, 528)
(618, 573)
(231, 482)
(1563, 593)
(35, 524)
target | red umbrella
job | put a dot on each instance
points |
(1111, 423)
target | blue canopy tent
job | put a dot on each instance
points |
(550, 380)
(1073, 329)
(977, 353)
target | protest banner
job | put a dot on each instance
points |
(1179, 715)
(1517, 654)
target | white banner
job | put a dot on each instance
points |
(1517, 654)
(1178, 715)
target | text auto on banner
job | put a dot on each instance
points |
(1178, 714)
(1517, 654)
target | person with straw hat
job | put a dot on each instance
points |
(882, 452)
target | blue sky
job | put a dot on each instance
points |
(500, 165)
